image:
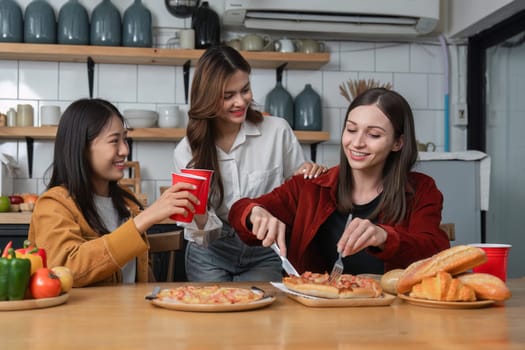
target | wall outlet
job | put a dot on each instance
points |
(460, 114)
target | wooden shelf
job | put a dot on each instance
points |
(149, 134)
(149, 56)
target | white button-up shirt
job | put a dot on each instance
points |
(262, 156)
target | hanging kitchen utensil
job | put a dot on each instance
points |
(206, 24)
(91, 73)
(181, 8)
(279, 102)
(186, 75)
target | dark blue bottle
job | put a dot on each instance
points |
(11, 22)
(136, 28)
(73, 24)
(308, 111)
(106, 25)
(40, 25)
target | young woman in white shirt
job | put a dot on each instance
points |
(249, 154)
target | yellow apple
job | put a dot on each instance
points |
(65, 276)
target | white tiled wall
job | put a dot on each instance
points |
(414, 69)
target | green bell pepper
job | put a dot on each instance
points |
(14, 276)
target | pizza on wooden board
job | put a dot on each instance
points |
(209, 295)
(345, 287)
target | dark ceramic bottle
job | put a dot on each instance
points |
(73, 24)
(279, 102)
(136, 28)
(40, 25)
(308, 111)
(11, 22)
(106, 25)
(207, 27)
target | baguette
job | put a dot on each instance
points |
(486, 286)
(454, 260)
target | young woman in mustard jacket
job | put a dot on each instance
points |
(85, 220)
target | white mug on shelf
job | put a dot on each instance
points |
(24, 115)
(49, 115)
(169, 116)
(284, 45)
(183, 39)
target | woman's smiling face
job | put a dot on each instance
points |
(368, 138)
(107, 154)
(236, 99)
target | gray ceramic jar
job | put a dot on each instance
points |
(136, 28)
(11, 22)
(106, 25)
(40, 25)
(308, 111)
(73, 24)
(279, 102)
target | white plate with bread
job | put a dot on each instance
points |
(444, 280)
(446, 304)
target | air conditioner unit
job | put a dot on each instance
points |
(336, 18)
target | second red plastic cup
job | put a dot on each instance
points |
(198, 181)
(205, 189)
(497, 256)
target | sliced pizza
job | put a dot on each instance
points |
(347, 286)
(209, 295)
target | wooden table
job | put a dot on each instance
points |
(118, 317)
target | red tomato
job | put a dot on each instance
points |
(44, 284)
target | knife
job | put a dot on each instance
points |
(287, 265)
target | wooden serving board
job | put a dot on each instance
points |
(384, 300)
(29, 304)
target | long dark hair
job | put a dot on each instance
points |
(393, 204)
(82, 122)
(215, 67)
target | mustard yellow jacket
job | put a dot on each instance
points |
(58, 226)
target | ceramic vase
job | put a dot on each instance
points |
(73, 24)
(40, 23)
(279, 102)
(206, 24)
(106, 25)
(308, 111)
(136, 28)
(11, 22)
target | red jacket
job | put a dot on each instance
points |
(304, 205)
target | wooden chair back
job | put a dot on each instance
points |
(132, 180)
(166, 242)
(450, 229)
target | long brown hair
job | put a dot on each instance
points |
(215, 67)
(393, 204)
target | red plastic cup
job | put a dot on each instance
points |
(205, 189)
(198, 181)
(497, 256)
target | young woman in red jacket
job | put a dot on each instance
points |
(372, 208)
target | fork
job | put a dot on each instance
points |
(337, 270)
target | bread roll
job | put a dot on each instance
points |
(454, 260)
(389, 280)
(443, 287)
(486, 286)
